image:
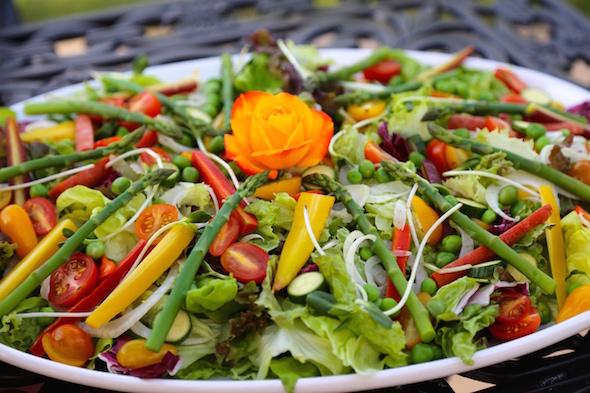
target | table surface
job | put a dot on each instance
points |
(546, 35)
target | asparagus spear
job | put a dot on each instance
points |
(556, 177)
(191, 266)
(67, 159)
(193, 123)
(104, 110)
(476, 108)
(71, 245)
(494, 243)
(417, 310)
(357, 97)
(227, 92)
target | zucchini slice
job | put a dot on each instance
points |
(484, 270)
(471, 208)
(536, 96)
(181, 327)
(304, 284)
(321, 169)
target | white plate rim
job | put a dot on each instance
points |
(564, 91)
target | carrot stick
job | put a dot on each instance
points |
(483, 254)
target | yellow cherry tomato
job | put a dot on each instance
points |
(366, 110)
(5, 197)
(133, 354)
(576, 303)
(290, 186)
(187, 154)
(427, 217)
(16, 224)
(455, 156)
(68, 344)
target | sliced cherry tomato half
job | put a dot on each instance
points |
(73, 280)
(513, 306)
(513, 98)
(150, 160)
(117, 101)
(246, 261)
(148, 139)
(227, 235)
(106, 267)
(366, 110)
(68, 344)
(107, 141)
(383, 71)
(153, 218)
(436, 153)
(455, 156)
(581, 171)
(510, 330)
(42, 214)
(145, 102)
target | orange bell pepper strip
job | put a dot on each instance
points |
(576, 303)
(16, 224)
(291, 186)
(84, 139)
(375, 154)
(402, 241)
(427, 216)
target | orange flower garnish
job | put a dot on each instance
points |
(276, 132)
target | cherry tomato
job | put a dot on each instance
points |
(455, 156)
(493, 123)
(133, 354)
(42, 214)
(382, 71)
(117, 101)
(145, 102)
(107, 141)
(68, 344)
(73, 280)
(510, 330)
(510, 79)
(227, 235)
(149, 139)
(106, 267)
(366, 110)
(153, 218)
(581, 171)
(436, 153)
(150, 160)
(375, 154)
(246, 261)
(467, 121)
(513, 306)
(513, 98)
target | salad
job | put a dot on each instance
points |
(291, 218)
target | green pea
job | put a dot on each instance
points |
(515, 116)
(95, 249)
(382, 176)
(508, 195)
(122, 131)
(354, 176)
(216, 145)
(209, 109)
(416, 158)
(120, 185)
(443, 258)
(190, 174)
(367, 169)
(535, 130)
(437, 350)
(428, 286)
(187, 140)
(445, 86)
(387, 304)
(517, 208)
(38, 190)
(544, 312)
(372, 292)
(571, 287)
(451, 243)
(462, 132)
(366, 253)
(396, 80)
(541, 142)
(565, 132)
(46, 321)
(213, 84)
(489, 216)
(462, 89)
(378, 302)
(421, 353)
(181, 162)
(436, 307)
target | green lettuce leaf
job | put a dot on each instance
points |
(352, 144)
(21, 333)
(120, 217)
(308, 56)
(467, 186)
(210, 294)
(577, 249)
(6, 252)
(256, 75)
(273, 217)
(450, 295)
(118, 246)
(79, 203)
(196, 196)
(289, 370)
(501, 140)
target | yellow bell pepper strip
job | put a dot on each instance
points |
(427, 216)
(37, 257)
(65, 130)
(576, 303)
(291, 186)
(147, 272)
(16, 224)
(298, 246)
(133, 354)
(555, 245)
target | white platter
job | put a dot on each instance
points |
(563, 91)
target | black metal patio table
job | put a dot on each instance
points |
(546, 35)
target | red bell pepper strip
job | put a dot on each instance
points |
(402, 241)
(296, 196)
(483, 254)
(149, 139)
(104, 287)
(107, 141)
(223, 188)
(510, 79)
(16, 155)
(84, 133)
(89, 178)
(375, 154)
(106, 267)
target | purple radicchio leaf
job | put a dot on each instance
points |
(394, 144)
(582, 109)
(483, 295)
(464, 300)
(503, 226)
(312, 267)
(170, 364)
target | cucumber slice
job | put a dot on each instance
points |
(304, 284)
(472, 208)
(321, 169)
(536, 96)
(415, 143)
(173, 178)
(484, 270)
(518, 276)
(520, 126)
(181, 327)
(321, 303)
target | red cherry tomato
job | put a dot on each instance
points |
(511, 330)
(145, 102)
(246, 261)
(42, 214)
(513, 306)
(106, 267)
(436, 153)
(148, 139)
(510, 79)
(107, 141)
(382, 71)
(467, 121)
(513, 98)
(150, 160)
(227, 235)
(68, 344)
(493, 123)
(117, 101)
(153, 218)
(73, 280)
